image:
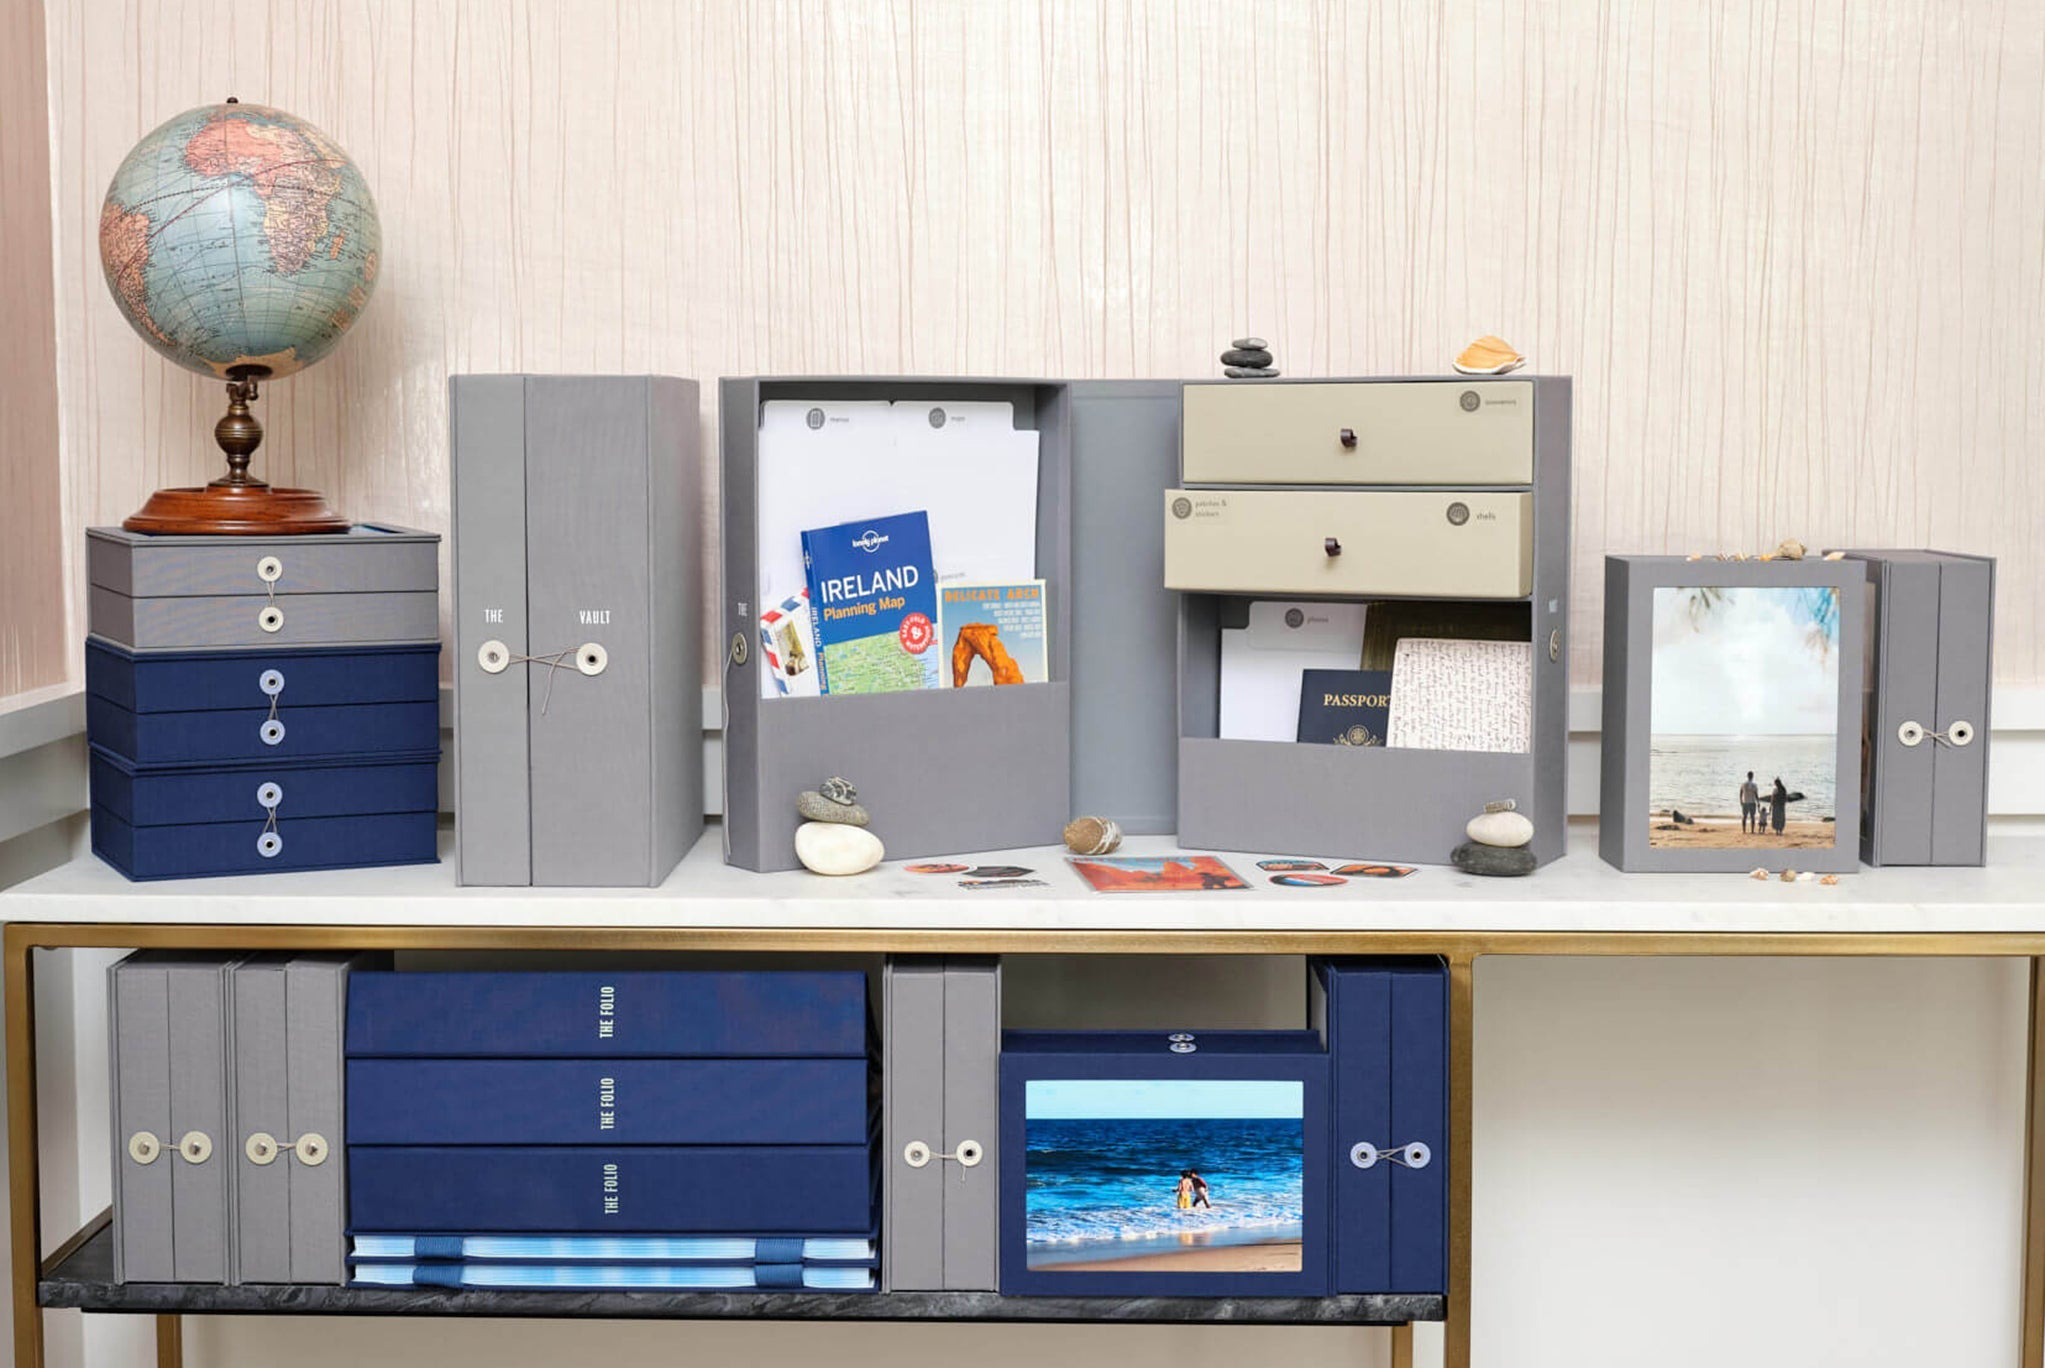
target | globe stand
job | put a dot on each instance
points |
(237, 504)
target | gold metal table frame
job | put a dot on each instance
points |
(1461, 950)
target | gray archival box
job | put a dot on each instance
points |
(941, 1089)
(577, 539)
(947, 771)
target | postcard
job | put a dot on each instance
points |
(995, 633)
(1157, 874)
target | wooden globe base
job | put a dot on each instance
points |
(249, 509)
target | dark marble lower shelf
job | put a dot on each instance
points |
(84, 1281)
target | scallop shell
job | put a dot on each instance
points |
(1791, 549)
(1488, 355)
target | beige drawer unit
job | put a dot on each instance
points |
(1350, 544)
(1394, 432)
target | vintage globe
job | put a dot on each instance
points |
(239, 241)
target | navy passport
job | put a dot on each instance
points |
(1344, 707)
(747, 1014)
(624, 1189)
(607, 1101)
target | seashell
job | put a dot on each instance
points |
(1789, 876)
(1693, 558)
(837, 848)
(1830, 881)
(1835, 555)
(1488, 355)
(1806, 877)
(1757, 873)
(1092, 836)
(1505, 830)
(1791, 549)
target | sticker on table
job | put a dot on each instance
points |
(935, 868)
(1157, 874)
(1307, 880)
(1002, 883)
(1374, 871)
(998, 872)
(1290, 866)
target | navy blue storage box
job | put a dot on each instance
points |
(1386, 1025)
(145, 797)
(1155, 1163)
(194, 850)
(220, 707)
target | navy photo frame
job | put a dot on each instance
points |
(1152, 1062)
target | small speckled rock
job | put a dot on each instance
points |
(1251, 344)
(1497, 862)
(1504, 829)
(1246, 356)
(812, 806)
(837, 848)
(1249, 372)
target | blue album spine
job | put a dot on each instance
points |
(600, 1101)
(754, 1014)
(1420, 1106)
(1360, 1031)
(611, 1189)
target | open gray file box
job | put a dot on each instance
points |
(577, 627)
(954, 770)
(1930, 659)
(940, 1123)
(1450, 447)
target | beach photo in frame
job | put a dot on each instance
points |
(1732, 714)
(1133, 1171)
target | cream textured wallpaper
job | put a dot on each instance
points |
(1789, 248)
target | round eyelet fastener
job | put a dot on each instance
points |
(916, 1154)
(269, 795)
(1910, 733)
(269, 845)
(591, 658)
(1182, 1047)
(261, 1148)
(271, 619)
(272, 732)
(493, 657)
(738, 648)
(144, 1147)
(969, 1154)
(271, 682)
(312, 1149)
(1959, 733)
(1180, 1036)
(1363, 1154)
(1418, 1155)
(196, 1147)
(269, 569)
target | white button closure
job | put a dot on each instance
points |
(271, 682)
(1960, 733)
(269, 569)
(312, 1149)
(144, 1147)
(1363, 1154)
(1418, 1155)
(1910, 733)
(591, 658)
(271, 731)
(493, 656)
(969, 1154)
(269, 845)
(269, 795)
(261, 1148)
(196, 1147)
(271, 619)
(916, 1154)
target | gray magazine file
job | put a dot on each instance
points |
(287, 1014)
(1380, 802)
(167, 1029)
(940, 1123)
(577, 628)
(1924, 774)
(947, 771)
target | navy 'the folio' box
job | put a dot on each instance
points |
(733, 1014)
(1154, 1163)
(1386, 1026)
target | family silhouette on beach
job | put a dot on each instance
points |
(1192, 1191)
(1757, 812)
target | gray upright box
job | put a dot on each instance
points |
(198, 1120)
(578, 628)
(371, 585)
(260, 1251)
(1501, 437)
(1925, 759)
(953, 770)
(940, 1123)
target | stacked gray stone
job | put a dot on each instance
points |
(1248, 358)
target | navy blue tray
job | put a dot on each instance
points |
(181, 852)
(152, 797)
(306, 676)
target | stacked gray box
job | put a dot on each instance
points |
(578, 629)
(167, 1027)
(945, 771)
(371, 585)
(1375, 801)
(286, 1015)
(940, 1123)
(1925, 780)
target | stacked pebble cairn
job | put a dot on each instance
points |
(1248, 358)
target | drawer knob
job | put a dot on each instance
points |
(1349, 439)
(1332, 547)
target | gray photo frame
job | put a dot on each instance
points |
(1624, 824)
